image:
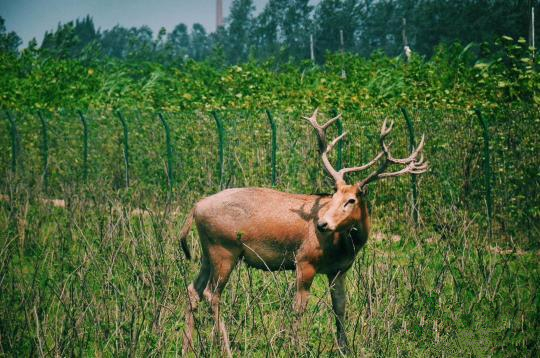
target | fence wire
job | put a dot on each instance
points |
(456, 181)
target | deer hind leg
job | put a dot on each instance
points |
(195, 293)
(223, 262)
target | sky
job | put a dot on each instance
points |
(31, 18)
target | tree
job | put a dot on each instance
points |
(200, 43)
(282, 29)
(135, 43)
(115, 42)
(178, 41)
(9, 41)
(331, 16)
(70, 39)
(240, 24)
(296, 28)
(265, 30)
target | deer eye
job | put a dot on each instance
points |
(350, 201)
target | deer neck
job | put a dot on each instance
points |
(360, 231)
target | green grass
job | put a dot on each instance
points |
(95, 279)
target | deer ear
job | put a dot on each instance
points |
(363, 190)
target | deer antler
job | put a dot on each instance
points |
(413, 166)
(324, 147)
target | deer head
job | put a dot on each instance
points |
(347, 206)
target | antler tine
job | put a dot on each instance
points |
(324, 147)
(407, 160)
(313, 120)
(412, 168)
(335, 141)
(331, 121)
(362, 167)
(386, 130)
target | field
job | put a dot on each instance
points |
(90, 209)
(95, 279)
(101, 272)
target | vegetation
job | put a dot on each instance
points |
(455, 77)
(100, 272)
(98, 278)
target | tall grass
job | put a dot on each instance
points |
(102, 274)
(101, 277)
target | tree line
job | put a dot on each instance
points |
(284, 28)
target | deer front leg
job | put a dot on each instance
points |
(305, 273)
(339, 299)
(304, 277)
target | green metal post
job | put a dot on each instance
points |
(340, 143)
(14, 142)
(126, 146)
(412, 146)
(487, 169)
(221, 134)
(44, 150)
(274, 145)
(85, 146)
(169, 150)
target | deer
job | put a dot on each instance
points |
(273, 230)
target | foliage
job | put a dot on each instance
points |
(9, 41)
(455, 77)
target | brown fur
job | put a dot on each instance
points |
(272, 230)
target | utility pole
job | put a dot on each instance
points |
(530, 8)
(531, 24)
(219, 13)
(343, 74)
(406, 49)
(532, 29)
(311, 48)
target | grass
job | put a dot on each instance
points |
(98, 278)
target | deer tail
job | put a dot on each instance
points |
(184, 233)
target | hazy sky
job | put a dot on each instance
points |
(31, 18)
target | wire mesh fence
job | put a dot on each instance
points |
(203, 152)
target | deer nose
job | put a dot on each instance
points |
(322, 226)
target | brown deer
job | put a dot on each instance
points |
(273, 230)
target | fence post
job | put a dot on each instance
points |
(221, 134)
(412, 146)
(169, 150)
(44, 150)
(126, 146)
(487, 169)
(85, 146)
(274, 145)
(14, 142)
(340, 143)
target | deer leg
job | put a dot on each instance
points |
(195, 293)
(305, 273)
(339, 299)
(223, 262)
